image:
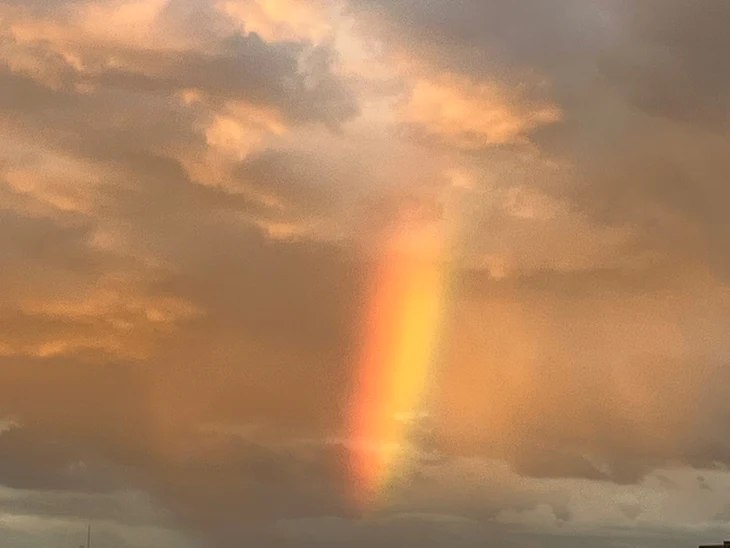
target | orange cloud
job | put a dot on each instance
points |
(470, 114)
(280, 20)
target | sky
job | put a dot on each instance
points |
(201, 201)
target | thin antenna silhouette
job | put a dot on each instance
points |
(88, 537)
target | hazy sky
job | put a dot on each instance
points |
(189, 195)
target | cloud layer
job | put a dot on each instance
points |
(190, 198)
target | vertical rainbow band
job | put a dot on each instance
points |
(401, 336)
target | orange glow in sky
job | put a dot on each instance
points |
(401, 335)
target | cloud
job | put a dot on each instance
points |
(282, 20)
(237, 67)
(200, 483)
(471, 116)
(191, 194)
(637, 134)
(295, 180)
(672, 71)
(537, 390)
(31, 462)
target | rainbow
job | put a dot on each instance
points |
(401, 335)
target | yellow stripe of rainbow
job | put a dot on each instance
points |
(401, 333)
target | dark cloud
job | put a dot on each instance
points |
(299, 180)
(34, 461)
(42, 243)
(235, 66)
(245, 483)
(109, 405)
(217, 484)
(126, 509)
(245, 68)
(21, 93)
(287, 336)
(491, 39)
(106, 430)
(672, 66)
(641, 87)
(666, 56)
